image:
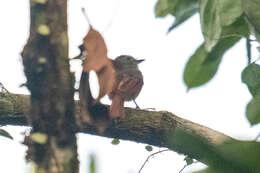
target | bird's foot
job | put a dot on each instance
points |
(137, 107)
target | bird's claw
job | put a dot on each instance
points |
(137, 107)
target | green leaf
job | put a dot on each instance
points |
(149, 148)
(188, 160)
(251, 77)
(238, 29)
(215, 15)
(230, 11)
(92, 164)
(180, 9)
(252, 12)
(210, 22)
(203, 65)
(183, 14)
(115, 141)
(164, 7)
(253, 110)
(232, 156)
(196, 71)
(4, 133)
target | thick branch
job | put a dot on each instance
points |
(165, 129)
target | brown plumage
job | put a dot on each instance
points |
(127, 86)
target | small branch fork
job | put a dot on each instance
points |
(158, 152)
(186, 166)
(150, 157)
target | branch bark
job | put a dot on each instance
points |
(164, 129)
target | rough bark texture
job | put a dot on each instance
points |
(46, 66)
(165, 129)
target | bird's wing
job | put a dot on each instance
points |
(129, 85)
(127, 82)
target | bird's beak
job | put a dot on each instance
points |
(139, 61)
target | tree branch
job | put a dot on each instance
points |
(164, 129)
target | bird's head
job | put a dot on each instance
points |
(127, 61)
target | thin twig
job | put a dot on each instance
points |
(186, 166)
(257, 137)
(150, 157)
(86, 16)
(248, 48)
(115, 12)
(183, 168)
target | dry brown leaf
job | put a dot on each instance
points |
(96, 51)
(106, 78)
(98, 61)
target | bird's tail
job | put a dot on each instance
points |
(117, 107)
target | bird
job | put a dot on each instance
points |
(127, 86)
